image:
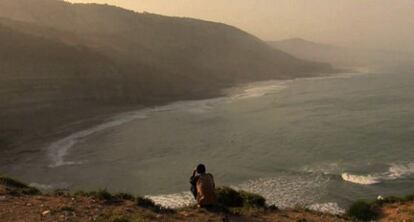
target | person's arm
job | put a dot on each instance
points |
(212, 179)
(193, 178)
(193, 181)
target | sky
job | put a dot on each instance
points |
(381, 24)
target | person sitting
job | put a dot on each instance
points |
(203, 187)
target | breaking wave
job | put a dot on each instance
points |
(360, 179)
(58, 150)
(176, 200)
(395, 171)
(332, 208)
(289, 189)
(285, 191)
(260, 89)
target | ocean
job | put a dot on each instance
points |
(319, 142)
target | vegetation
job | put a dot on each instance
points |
(363, 210)
(124, 196)
(229, 197)
(149, 204)
(366, 211)
(230, 202)
(18, 188)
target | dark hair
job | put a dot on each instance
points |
(201, 168)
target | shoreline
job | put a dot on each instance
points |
(238, 91)
(85, 115)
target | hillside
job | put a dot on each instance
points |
(19, 202)
(67, 62)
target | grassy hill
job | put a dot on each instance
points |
(20, 202)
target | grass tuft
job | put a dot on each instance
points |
(151, 205)
(364, 211)
(229, 197)
(124, 196)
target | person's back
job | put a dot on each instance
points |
(203, 187)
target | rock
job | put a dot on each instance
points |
(29, 204)
(46, 212)
(2, 198)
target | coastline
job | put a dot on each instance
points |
(60, 146)
(68, 119)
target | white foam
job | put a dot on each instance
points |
(49, 187)
(286, 191)
(360, 179)
(400, 170)
(260, 89)
(176, 200)
(58, 150)
(41, 186)
(332, 208)
(395, 171)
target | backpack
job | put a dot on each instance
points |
(206, 190)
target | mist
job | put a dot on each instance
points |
(371, 24)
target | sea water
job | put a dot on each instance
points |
(319, 142)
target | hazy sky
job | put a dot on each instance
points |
(371, 23)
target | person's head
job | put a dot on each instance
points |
(201, 168)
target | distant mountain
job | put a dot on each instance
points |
(344, 57)
(55, 52)
(301, 48)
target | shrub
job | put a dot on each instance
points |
(409, 197)
(389, 200)
(18, 187)
(145, 202)
(124, 196)
(81, 193)
(229, 197)
(103, 194)
(252, 200)
(10, 182)
(29, 191)
(364, 211)
(149, 204)
(60, 192)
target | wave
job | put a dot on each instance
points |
(260, 89)
(49, 187)
(58, 150)
(173, 201)
(397, 171)
(332, 208)
(289, 189)
(360, 179)
(394, 172)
